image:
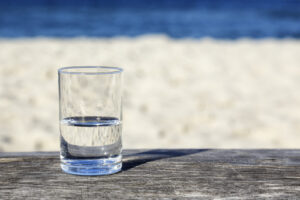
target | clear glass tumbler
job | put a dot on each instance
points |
(90, 113)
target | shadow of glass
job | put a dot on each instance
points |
(133, 160)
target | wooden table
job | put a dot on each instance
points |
(158, 174)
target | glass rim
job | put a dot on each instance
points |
(110, 70)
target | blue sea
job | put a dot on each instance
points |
(221, 19)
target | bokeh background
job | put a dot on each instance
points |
(198, 73)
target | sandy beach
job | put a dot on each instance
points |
(183, 93)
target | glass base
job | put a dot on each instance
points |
(92, 167)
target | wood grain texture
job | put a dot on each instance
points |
(158, 174)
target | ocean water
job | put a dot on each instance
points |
(222, 19)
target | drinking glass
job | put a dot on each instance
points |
(90, 114)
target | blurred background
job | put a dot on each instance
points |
(198, 73)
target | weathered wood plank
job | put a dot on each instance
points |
(159, 174)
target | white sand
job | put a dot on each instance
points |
(177, 93)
